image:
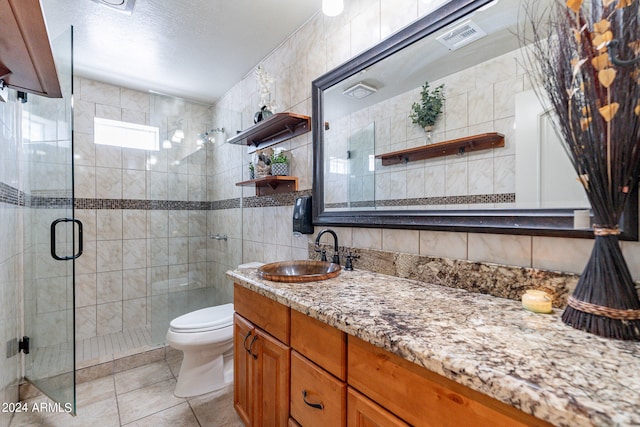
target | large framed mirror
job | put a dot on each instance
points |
(521, 183)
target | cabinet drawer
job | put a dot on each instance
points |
(325, 345)
(422, 397)
(265, 313)
(363, 412)
(310, 385)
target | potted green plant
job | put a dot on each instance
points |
(252, 171)
(279, 162)
(426, 112)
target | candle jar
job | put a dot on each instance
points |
(536, 301)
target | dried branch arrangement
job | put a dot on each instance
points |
(582, 57)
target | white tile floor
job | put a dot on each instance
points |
(138, 397)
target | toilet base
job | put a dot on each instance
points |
(200, 374)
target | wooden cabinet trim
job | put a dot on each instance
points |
(422, 397)
(265, 313)
(322, 388)
(363, 412)
(242, 373)
(323, 344)
(271, 397)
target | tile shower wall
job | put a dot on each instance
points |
(10, 250)
(147, 256)
(317, 47)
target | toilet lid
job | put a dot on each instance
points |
(206, 319)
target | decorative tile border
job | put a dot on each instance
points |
(431, 201)
(498, 280)
(283, 199)
(50, 200)
(11, 195)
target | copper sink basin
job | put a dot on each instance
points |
(299, 271)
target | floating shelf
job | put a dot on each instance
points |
(277, 128)
(454, 146)
(27, 62)
(272, 184)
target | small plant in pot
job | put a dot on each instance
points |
(279, 162)
(426, 112)
(252, 171)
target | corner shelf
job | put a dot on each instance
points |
(467, 144)
(272, 184)
(277, 128)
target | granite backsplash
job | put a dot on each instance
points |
(498, 280)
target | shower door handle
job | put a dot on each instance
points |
(53, 239)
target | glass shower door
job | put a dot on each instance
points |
(51, 237)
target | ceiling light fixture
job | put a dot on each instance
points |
(332, 7)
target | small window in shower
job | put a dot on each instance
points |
(127, 135)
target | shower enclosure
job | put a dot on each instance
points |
(186, 263)
(52, 238)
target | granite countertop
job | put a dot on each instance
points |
(531, 361)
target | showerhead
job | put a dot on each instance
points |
(207, 136)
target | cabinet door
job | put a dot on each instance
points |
(242, 372)
(363, 412)
(271, 381)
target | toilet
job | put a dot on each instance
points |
(206, 338)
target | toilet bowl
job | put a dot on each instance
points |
(206, 339)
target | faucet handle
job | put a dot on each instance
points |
(349, 262)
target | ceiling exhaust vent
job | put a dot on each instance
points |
(461, 35)
(125, 6)
(359, 91)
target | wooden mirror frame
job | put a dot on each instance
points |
(537, 222)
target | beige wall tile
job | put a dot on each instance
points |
(108, 183)
(134, 283)
(103, 93)
(109, 286)
(407, 241)
(443, 244)
(134, 253)
(109, 255)
(109, 318)
(109, 223)
(561, 254)
(85, 290)
(134, 224)
(500, 249)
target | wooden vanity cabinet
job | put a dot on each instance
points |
(262, 363)
(293, 370)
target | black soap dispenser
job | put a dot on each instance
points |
(302, 216)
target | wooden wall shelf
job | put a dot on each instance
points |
(454, 146)
(272, 184)
(26, 61)
(277, 128)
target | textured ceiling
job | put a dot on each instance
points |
(195, 49)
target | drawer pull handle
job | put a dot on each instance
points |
(313, 405)
(244, 344)
(253, 341)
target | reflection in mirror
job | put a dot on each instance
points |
(473, 48)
